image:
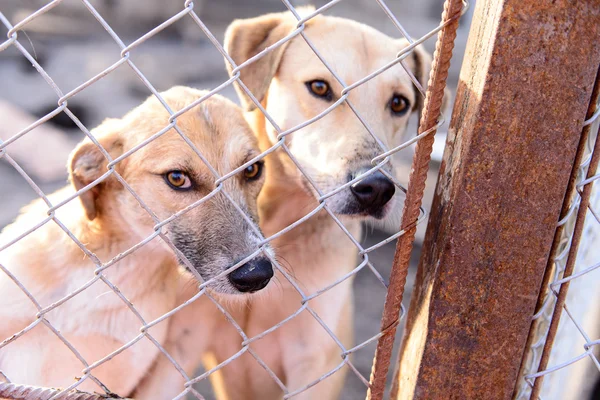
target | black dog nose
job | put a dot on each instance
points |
(252, 276)
(374, 191)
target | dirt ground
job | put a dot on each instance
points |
(76, 48)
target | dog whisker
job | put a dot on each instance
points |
(103, 294)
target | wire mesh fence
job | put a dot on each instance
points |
(380, 164)
(565, 322)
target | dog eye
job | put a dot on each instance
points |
(399, 105)
(254, 171)
(319, 88)
(178, 180)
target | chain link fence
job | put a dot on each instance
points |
(413, 213)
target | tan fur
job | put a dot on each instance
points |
(317, 252)
(108, 221)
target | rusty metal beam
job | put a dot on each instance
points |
(572, 258)
(538, 328)
(524, 89)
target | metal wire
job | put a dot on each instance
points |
(124, 60)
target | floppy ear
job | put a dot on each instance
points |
(244, 39)
(420, 61)
(87, 163)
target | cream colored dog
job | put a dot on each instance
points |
(294, 86)
(168, 176)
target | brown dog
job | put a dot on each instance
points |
(294, 86)
(168, 176)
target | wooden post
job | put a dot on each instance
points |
(524, 89)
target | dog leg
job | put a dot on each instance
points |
(304, 367)
(163, 381)
(309, 370)
(190, 332)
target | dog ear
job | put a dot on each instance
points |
(244, 39)
(420, 61)
(87, 163)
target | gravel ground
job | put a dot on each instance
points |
(77, 48)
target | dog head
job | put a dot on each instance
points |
(294, 86)
(170, 177)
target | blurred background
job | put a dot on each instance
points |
(72, 47)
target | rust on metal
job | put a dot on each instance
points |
(572, 257)
(568, 202)
(524, 89)
(26, 392)
(412, 204)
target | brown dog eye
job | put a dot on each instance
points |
(399, 105)
(320, 89)
(254, 171)
(178, 180)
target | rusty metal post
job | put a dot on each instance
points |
(538, 328)
(570, 266)
(524, 89)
